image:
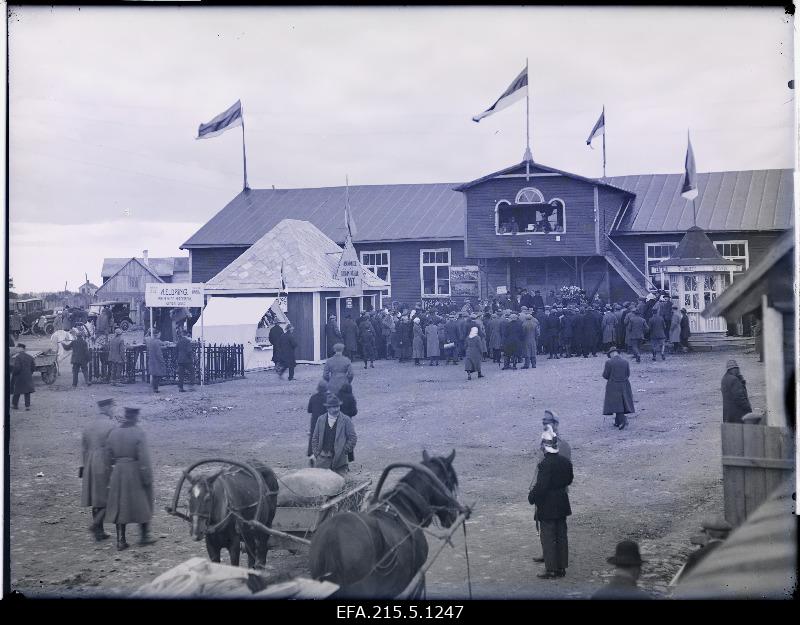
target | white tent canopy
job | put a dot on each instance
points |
(230, 320)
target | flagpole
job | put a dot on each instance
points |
(244, 155)
(605, 128)
(528, 155)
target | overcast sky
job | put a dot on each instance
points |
(105, 104)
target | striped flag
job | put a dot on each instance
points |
(222, 122)
(599, 129)
(689, 190)
(515, 91)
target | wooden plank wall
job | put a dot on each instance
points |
(208, 262)
(755, 460)
(301, 314)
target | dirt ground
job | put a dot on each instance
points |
(652, 482)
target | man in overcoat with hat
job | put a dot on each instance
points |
(116, 356)
(156, 365)
(130, 489)
(332, 334)
(338, 369)
(618, 399)
(549, 495)
(334, 438)
(735, 403)
(628, 565)
(94, 470)
(22, 368)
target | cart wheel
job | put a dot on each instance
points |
(49, 329)
(125, 325)
(49, 375)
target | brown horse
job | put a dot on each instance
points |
(377, 553)
(214, 502)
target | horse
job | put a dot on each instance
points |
(378, 552)
(214, 499)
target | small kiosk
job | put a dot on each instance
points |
(697, 275)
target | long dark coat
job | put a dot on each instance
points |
(366, 336)
(635, 327)
(735, 403)
(551, 328)
(549, 494)
(332, 335)
(155, 358)
(432, 340)
(419, 342)
(514, 337)
(675, 328)
(80, 351)
(531, 329)
(288, 349)
(619, 395)
(130, 489)
(609, 327)
(472, 359)
(350, 335)
(493, 330)
(685, 331)
(184, 355)
(22, 369)
(406, 338)
(94, 489)
(657, 329)
(274, 336)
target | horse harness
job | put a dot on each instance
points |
(232, 510)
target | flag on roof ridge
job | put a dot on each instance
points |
(512, 94)
(689, 190)
(222, 122)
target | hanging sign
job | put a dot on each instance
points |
(349, 272)
(465, 281)
(502, 290)
(178, 295)
(349, 302)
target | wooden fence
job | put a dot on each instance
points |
(755, 460)
(222, 362)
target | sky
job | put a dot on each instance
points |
(104, 105)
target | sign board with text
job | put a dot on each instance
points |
(178, 295)
(465, 281)
(349, 272)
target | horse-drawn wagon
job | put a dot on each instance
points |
(46, 363)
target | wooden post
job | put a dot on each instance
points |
(202, 340)
(772, 335)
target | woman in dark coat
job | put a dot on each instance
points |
(130, 488)
(348, 407)
(472, 361)
(288, 347)
(366, 336)
(316, 407)
(619, 395)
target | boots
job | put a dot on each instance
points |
(145, 538)
(480, 375)
(121, 542)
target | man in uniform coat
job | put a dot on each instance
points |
(274, 337)
(451, 338)
(332, 334)
(619, 395)
(635, 328)
(581, 333)
(116, 356)
(628, 565)
(338, 369)
(130, 488)
(184, 357)
(22, 368)
(735, 403)
(350, 337)
(368, 340)
(156, 366)
(94, 471)
(334, 438)
(549, 495)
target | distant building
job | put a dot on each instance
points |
(171, 269)
(88, 289)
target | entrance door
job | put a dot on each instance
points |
(698, 290)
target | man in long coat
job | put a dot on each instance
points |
(567, 332)
(387, 330)
(735, 403)
(549, 495)
(332, 334)
(635, 328)
(675, 330)
(530, 328)
(80, 358)
(274, 337)
(686, 332)
(334, 438)
(512, 342)
(596, 326)
(156, 366)
(418, 342)
(377, 333)
(288, 351)
(338, 369)
(350, 336)
(406, 338)
(619, 395)
(366, 336)
(550, 330)
(184, 358)
(609, 328)
(657, 335)
(432, 342)
(94, 470)
(116, 356)
(130, 489)
(451, 337)
(22, 368)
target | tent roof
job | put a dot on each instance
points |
(695, 248)
(309, 258)
(234, 311)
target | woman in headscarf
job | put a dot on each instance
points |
(472, 361)
(418, 345)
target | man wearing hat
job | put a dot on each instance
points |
(538, 301)
(618, 399)
(531, 331)
(735, 403)
(513, 340)
(332, 334)
(184, 357)
(130, 489)
(156, 365)
(549, 495)
(714, 531)
(550, 329)
(116, 356)
(338, 369)
(334, 437)
(628, 565)
(635, 328)
(22, 368)
(80, 358)
(94, 470)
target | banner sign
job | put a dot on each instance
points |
(502, 290)
(465, 281)
(698, 269)
(163, 295)
(349, 272)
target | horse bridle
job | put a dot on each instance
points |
(436, 483)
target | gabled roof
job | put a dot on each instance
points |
(728, 200)
(535, 168)
(695, 248)
(381, 212)
(130, 260)
(160, 266)
(310, 259)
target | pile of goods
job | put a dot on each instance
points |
(308, 487)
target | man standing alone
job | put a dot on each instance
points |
(80, 358)
(185, 360)
(334, 438)
(116, 356)
(155, 360)
(22, 368)
(94, 470)
(619, 395)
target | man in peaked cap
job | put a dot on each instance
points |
(628, 565)
(714, 531)
(334, 437)
(94, 470)
(735, 403)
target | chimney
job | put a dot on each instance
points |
(144, 258)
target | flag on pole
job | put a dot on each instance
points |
(222, 122)
(689, 190)
(349, 223)
(599, 129)
(515, 91)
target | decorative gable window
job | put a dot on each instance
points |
(529, 195)
(530, 214)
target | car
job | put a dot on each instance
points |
(120, 311)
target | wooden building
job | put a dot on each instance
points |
(127, 284)
(525, 226)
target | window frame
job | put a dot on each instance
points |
(736, 258)
(647, 258)
(388, 269)
(422, 265)
(528, 232)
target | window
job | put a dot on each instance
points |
(691, 296)
(435, 272)
(133, 282)
(378, 263)
(734, 250)
(528, 216)
(529, 195)
(654, 254)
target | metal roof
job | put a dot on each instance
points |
(729, 200)
(160, 266)
(695, 248)
(380, 212)
(309, 257)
